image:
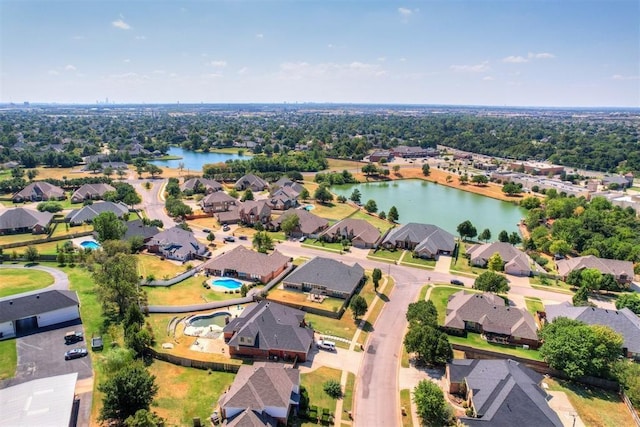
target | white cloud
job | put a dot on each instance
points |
(79, 37)
(242, 71)
(259, 36)
(211, 75)
(69, 67)
(542, 55)
(330, 46)
(621, 77)
(518, 59)
(477, 68)
(121, 24)
(404, 12)
(126, 61)
(403, 59)
(515, 59)
(53, 72)
(159, 72)
(218, 64)
(488, 78)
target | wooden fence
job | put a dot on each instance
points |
(191, 363)
(634, 413)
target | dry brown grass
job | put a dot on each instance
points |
(210, 223)
(300, 298)
(15, 281)
(153, 265)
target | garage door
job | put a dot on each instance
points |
(26, 325)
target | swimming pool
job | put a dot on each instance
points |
(227, 283)
(217, 319)
(90, 244)
(309, 207)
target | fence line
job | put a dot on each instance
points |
(634, 413)
(46, 240)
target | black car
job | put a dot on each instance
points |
(73, 337)
(206, 230)
(229, 239)
(76, 353)
(456, 282)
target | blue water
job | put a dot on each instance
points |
(210, 319)
(192, 160)
(309, 207)
(90, 244)
(228, 283)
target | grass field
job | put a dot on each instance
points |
(18, 280)
(333, 211)
(380, 224)
(187, 292)
(405, 402)
(8, 359)
(553, 284)
(462, 263)
(413, 261)
(153, 265)
(185, 393)
(475, 340)
(595, 407)
(533, 305)
(340, 164)
(347, 399)
(319, 244)
(300, 298)
(314, 381)
(373, 312)
(390, 256)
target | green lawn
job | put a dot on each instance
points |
(333, 211)
(347, 399)
(413, 261)
(475, 340)
(405, 402)
(533, 305)
(440, 297)
(19, 280)
(549, 283)
(461, 264)
(185, 393)
(314, 381)
(292, 296)
(160, 269)
(380, 224)
(319, 244)
(373, 312)
(8, 359)
(391, 256)
(189, 291)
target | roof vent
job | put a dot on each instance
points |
(38, 296)
(10, 302)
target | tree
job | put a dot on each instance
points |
(322, 194)
(60, 258)
(117, 284)
(376, 276)
(181, 167)
(511, 189)
(495, 262)
(153, 170)
(396, 169)
(31, 254)
(94, 166)
(514, 238)
(491, 282)
(426, 170)
(108, 171)
(590, 277)
(430, 404)
(559, 247)
(430, 345)
(581, 297)
(31, 174)
(464, 179)
(393, 215)
(467, 230)
(485, 235)
(422, 312)
(358, 306)
(243, 290)
(248, 195)
(382, 215)
(503, 236)
(130, 389)
(480, 179)
(304, 194)
(51, 207)
(262, 242)
(371, 206)
(108, 227)
(630, 301)
(132, 198)
(628, 374)
(369, 169)
(332, 388)
(355, 195)
(144, 418)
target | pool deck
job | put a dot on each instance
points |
(223, 288)
(211, 331)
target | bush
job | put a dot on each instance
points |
(51, 207)
(333, 389)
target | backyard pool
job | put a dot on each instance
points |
(90, 244)
(227, 283)
(308, 207)
(217, 319)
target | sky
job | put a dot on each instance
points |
(556, 53)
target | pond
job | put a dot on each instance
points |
(430, 203)
(193, 160)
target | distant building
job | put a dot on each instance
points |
(619, 181)
(253, 182)
(39, 191)
(201, 185)
(410, 152)
(536, 168)
(380, 155)
(90, 192)
(88, 213)
(218, 202)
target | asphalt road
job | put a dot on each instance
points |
(153, 204)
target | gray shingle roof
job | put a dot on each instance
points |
(624, 321)
(17, 307)
(89, 212)
(354, 229)
(512, 256)
(137, 228)
(247, 261)
(251, 418)
(251, 181)
(91, 191)
(179, 241)
(208, 184)
(605, 266)
(308, 224)
(505, 393)
(40, 189)
(427, 237)
(271, 326)
(332, 274)
(23, 218)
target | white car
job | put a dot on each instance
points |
(326, 345)
(303, 238)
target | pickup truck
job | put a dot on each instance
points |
(73, 337)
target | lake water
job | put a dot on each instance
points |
(430, 203)
(193, 161)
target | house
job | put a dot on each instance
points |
(619, 181)
(379, 155)
(624, 321)
(255, 183)
(515, 262)
(246, 264)
(264, 391)
(500, 393)
(176, 243)
(201, 185)
(325, 276)
(309, 225)
(413, 152)
(622, 271)
(137, 228)
(104, 165)
(359, 232)
(39, 191)
(487, 314)
(232, 216)
(269, 330)
(46, 401)
(253, 211)
(27, 312)
(285, 182)
(218, 201)
(425, 240)
(90, 192)
(283, 198)
(21, 220)
(88, 213)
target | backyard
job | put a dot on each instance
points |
(189, 291)
(19, 280)
(290, 296)
(159, 269)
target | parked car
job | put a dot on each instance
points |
(303, 238)
(242, 237)
(229, 239)
(206, 230)
(96, 343)
(73, 337)
(456, 282)
(326, 345)
(226, 228)
(75, 353)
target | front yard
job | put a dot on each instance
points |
(314, 382)
(385, 255)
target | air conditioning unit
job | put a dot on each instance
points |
(525, 346)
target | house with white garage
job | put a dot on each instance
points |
(515, 262)
(33, 310)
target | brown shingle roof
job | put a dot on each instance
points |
(247, 261)
(354, 229)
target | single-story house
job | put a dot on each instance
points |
(270, 389)
(201, 185)
(39, 191)
(283, 198)
(21, 220)
(487, 314)
(90, 192)
(105, 164)
(32, 310)
(425, 240)
(176, 243)
(137, 228)
(622, 181)
(515, 262)
(232, 216)
(218, 201)
(624, 321)
(309, 225)
(255, 183)
(500, 393)
(622, 271)
(246, 264)
(285, 182)
(42, 402)
(253, 211)
(359, 232)
(268, 329)
(88, 213)
(325, 276)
